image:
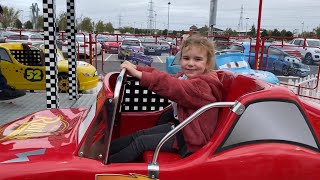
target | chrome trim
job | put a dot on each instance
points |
(235, 106)
(153, 171)
(238, 108)
(116, 100)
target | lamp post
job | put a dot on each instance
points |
(168, 17)
(155, 23)
(302, 28)
(134, 27)
(247, 25)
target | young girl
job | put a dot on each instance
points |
(196, 86)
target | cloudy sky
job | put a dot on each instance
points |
(280, 14)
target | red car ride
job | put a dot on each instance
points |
(264, 132)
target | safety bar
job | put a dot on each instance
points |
(153, 167)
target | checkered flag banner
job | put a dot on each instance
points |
(49, 28)
(72, 60)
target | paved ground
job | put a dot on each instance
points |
(33, 102)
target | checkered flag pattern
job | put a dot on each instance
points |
(139, 99)
(72, 61)
(49, 28)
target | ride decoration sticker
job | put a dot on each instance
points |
(121, 177)
(36, 126)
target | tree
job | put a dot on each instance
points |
(126, 29)
(264, 33)
(109, 27)
(253, 31)
(230, 32)
(275, 32)
(100, 27)
(9, 17)
(317, 31)
(164, 32)
(18, 24)
(62, 21)
(40, 22)
(283, 32)
(28, 25)
(288, 34)
(204, 30)
(86, 25)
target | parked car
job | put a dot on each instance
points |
(309, 48)
(26, 37)
(165, 47)
(152, 49)
(126, 47)
(274, 59)
(263, 132)
(83, 47)
(236, 62)
(23, 67)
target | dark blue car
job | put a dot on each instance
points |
(274, 59)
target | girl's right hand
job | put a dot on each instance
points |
(131, 69)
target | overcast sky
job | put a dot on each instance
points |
(280, 14)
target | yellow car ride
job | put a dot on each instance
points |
(23, 67)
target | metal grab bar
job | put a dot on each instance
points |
(153, 168)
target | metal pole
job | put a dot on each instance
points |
(155, 23)
(168, 17)
(247, 26)
(258, 36)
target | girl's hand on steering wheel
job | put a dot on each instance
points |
(131, 69)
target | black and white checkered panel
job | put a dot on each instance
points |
(72, 61)
(49, 28)
(140, 99)
(27, 57)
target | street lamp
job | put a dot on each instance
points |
(168, 17)
(302, 28)
(155, 23)
(247, 25)
(134, 27)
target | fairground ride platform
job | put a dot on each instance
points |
(13, 109)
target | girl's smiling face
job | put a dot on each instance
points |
(193, 61)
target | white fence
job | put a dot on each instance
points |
(306, 86)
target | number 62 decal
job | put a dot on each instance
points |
(33, 74)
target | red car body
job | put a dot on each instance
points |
(111, 47)
(255, 142)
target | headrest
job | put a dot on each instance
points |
(235, 85)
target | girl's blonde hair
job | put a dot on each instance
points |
(203, 43)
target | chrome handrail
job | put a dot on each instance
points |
(236, 107)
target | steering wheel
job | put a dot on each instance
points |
(118, 93)
(117, 99)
